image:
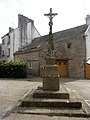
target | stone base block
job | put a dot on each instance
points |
(51, 83)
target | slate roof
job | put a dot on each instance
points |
(40, 42)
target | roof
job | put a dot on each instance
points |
(29, 20)
(40, 42)
(72, 32)
(88, 61)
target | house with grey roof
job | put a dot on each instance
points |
(19, 37)
(72, 50)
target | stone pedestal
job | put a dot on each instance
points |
(50, 75)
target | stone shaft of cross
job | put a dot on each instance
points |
(50, 41)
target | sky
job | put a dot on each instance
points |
(71, 13)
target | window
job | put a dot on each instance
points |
(8, 40)
(64, 63)
(3, 53)
(3, 41)
(69, 45)
(59, 63)
(8, 53)
(0, 49)
(29, 65)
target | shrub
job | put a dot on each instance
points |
(11, 69)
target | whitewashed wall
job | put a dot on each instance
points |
(10, 46)
(29, 34)
(87, 35)
(19, 37)
(4, 46)
(16, 39)
(35, 32)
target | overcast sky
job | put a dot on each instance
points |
(71, 13)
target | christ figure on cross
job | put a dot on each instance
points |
(50, 41)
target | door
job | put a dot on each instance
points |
(88, 71)
(62, 68)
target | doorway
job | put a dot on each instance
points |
(62, 68)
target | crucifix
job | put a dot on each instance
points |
(50, 41)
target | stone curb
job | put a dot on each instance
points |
(83, 115)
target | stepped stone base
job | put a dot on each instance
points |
(47, 99)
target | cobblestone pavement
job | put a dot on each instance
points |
(81, 87)
(11, 91)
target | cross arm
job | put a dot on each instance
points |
(47, 14)
(54, 14)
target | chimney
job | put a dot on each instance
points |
(88, 19)
(10, 29)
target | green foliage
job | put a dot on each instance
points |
(11, 69)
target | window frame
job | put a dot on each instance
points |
(8, 53)
(3, 53)
(29, 65)
(8, 40)
(3, 41)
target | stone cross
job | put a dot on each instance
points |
(50, 41)
(50, 15)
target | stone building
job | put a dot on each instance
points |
(72, 50)
(17, 38)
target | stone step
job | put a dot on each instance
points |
(40, 98)
(51, 104)
(29, 101)
(53, 112)
(61, 94)
(49, 94)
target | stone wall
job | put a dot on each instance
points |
(73, 50)
(30, 58)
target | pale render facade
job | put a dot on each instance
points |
(87, 35)
(17, 38)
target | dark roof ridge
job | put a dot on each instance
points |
(70, 28)
(59, 36)
(62, 31)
